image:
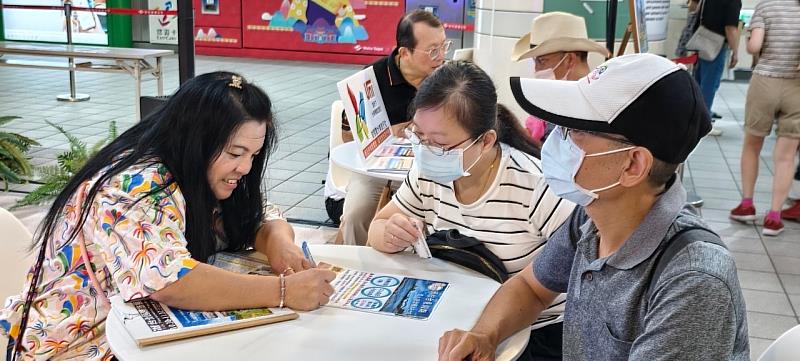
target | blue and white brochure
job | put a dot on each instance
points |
(386, 294)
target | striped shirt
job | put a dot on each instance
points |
(513, 218)
(780, 53)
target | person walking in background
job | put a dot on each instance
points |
(721, 17)
(774, 93)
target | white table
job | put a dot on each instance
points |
(337, 334)
(346, 156)
(133, 61)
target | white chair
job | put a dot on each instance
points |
(338, 176)
(15, 260)
(785, 348)
(463, 54)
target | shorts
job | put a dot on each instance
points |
(770, 100)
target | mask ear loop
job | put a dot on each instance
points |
(594, 192)
(466, 171)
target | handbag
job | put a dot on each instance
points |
(451, 245)
(686, 33)
(705, 42)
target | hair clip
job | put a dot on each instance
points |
(236, 82)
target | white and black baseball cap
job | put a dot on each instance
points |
(648, 99)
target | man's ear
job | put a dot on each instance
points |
(637, 167)
(403, 52)
(572, 60)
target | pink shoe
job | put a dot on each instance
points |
(772, 227)
(743, 214)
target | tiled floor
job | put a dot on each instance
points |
(769, 267)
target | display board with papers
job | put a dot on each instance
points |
(378, 147)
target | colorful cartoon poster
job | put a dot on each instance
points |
(330, 26)
(319, 21)
(385, 294)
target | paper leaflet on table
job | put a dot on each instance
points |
(390, 164)
(369, 122)
(241, 262)
(385, 294)
(150, 322)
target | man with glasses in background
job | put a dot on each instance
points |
(421, 48)
(559, 46)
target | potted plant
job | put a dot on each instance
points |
(14, 165)
(55, 177)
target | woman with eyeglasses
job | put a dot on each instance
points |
(475, 170)
(144, 216)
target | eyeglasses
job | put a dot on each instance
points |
(564, 133)
(436, 149)
(439, 50)
(540, 61)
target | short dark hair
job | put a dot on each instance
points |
(661, 172)
(582, 55)
(468, 94)
(405, 28)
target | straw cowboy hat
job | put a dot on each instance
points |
(553, 32)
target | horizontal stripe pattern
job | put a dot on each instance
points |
(513, 218)
(780, 52)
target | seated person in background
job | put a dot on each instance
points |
(146, 213)
(476, 172)
(421, 48)
(559, 46)
(615, 153)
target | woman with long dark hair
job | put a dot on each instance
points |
(144, 215)
(476, 170)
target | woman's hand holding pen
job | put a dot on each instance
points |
(309, 289)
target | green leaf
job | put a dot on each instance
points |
(7, 118)
(14, 165)
(55, 177)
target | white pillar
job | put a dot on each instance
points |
(498, 25)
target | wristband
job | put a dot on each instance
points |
(283, 289)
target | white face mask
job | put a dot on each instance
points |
(444, 168)
(561, 160)
(550, 73)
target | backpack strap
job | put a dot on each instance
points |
(675, 244)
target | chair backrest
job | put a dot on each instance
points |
(338, 175)
(785, 348)
(336, 123)
(15, 260)
(463, 54)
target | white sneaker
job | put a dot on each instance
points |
(715, 131)
(794, 194)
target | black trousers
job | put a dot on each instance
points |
(544, 344)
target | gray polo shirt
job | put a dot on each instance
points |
(696, 311)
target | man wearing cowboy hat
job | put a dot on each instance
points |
(559, 45)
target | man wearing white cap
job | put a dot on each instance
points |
(645, 278)
(559, 46)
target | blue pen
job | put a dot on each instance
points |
(307, 253)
